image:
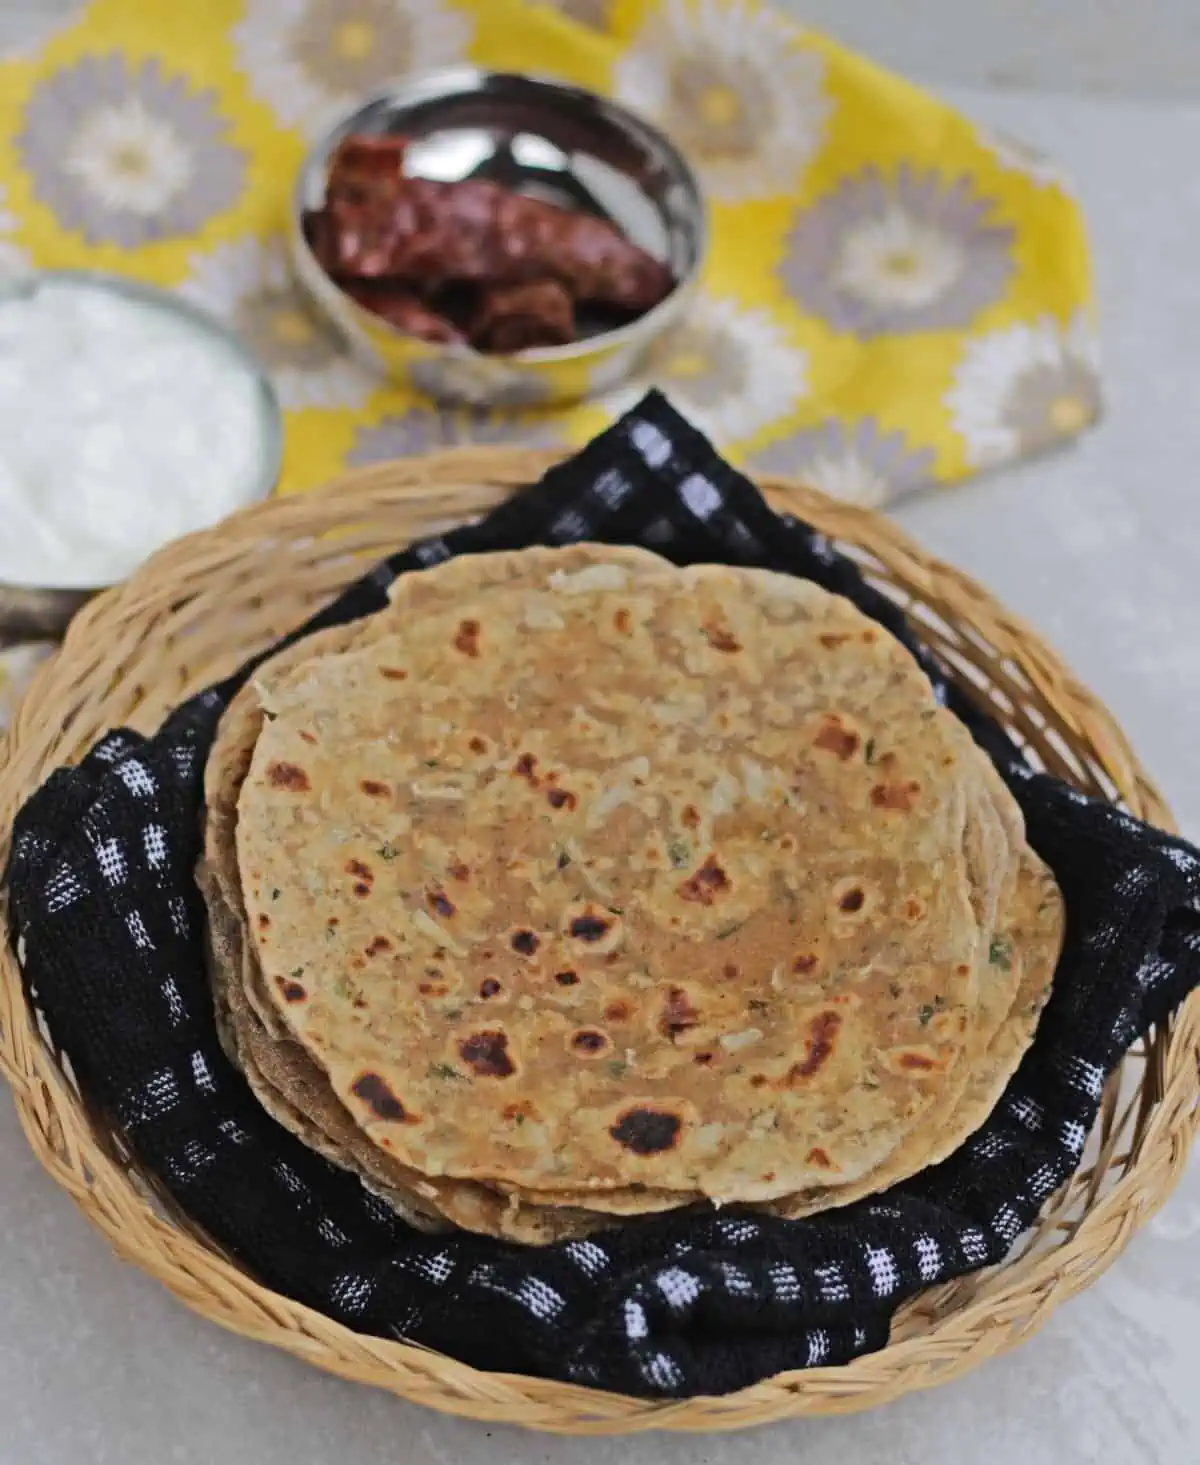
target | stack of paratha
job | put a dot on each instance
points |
(575, 887)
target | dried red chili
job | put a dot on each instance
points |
(397, 305)
(476, 230)
(408, 247)
(366, 167)
(518, 317)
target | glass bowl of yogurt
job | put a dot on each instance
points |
(128, 417)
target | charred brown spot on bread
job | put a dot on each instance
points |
(914, 910)
(440, 903)
(708, 882)
(264, 921)
(358, 869)
(486, 1054)
(678, 1014)
(590, 927)
(524, 768)
(289, 776)
(524, 942)
(362, 889)
(566, 979)
(704, 1058)
(358, 962)
(378, 945)
(721, 638)
(757, 1080)
(477, 745)
(690, 817)
(561, 798)
(618, 1011)
(290, 989)
(622, 620)
(372, 1089)
(818, 1046)
(647, 1131)
(489, 987)
(805, 962)
(588, 1042)
(836, 738)
(901, 796)
(466, 638)
(916, 1062)
(831, 640)
(306, 736)
(817, 1156)
(393, 673)
(852, 900)
(730, 970)
(374, 789)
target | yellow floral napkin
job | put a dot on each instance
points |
(894, 297)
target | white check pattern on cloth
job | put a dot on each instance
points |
(107, 914)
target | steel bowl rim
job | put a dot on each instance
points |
(453, 81)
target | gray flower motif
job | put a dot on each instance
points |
(857, 462)
(128, 153)
(595, 13)
(249, 283)
(732, 371)
(1022, 388)
(309, 57)
(737, 87)
(894, 255)
(426, 429)
(477, 381)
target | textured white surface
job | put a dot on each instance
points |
(1099, 547)
(1147, 48)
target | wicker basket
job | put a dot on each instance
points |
(202, 605)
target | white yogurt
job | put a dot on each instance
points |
(122, 426)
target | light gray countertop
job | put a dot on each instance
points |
(1099, 547)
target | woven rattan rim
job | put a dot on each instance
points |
(202, 605)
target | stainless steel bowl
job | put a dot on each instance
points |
(32, 607)
(542, 138)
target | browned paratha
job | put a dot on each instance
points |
(283, 1076)
(658, 822)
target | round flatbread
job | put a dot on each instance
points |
(686, 884)
(285, 1079)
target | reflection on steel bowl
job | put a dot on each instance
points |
(498, 239)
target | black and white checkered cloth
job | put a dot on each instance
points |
(109, 921)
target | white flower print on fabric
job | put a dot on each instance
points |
(309, 58)
(248, 284)
(729, 370)
(857, 462)
(425, 429)
(477, 381)
(595, 13)
(886, 255)
(1023, 388)
(735, 86)
(128, 153)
